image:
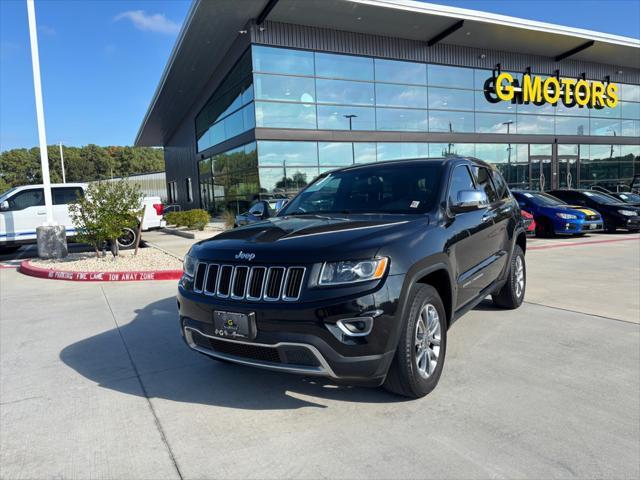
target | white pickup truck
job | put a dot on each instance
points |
(22, 210)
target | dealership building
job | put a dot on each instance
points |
(261, 96)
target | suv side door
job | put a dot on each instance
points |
(467, 232)
(492, 232)
(62, 197)
(26, 212)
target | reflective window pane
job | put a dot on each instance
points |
(335, 153)
(394, 71)
(484, 105)
(606, 112)
(441, 121)
(630, 93)
(446, 76)
(233, 125)
(344, 92)
(281, 60)
(495, 152)
(296, 178)
(604, 127)
(344, 66)
(364, 152)
(480, 76)
(402, 151)
(450, 99)
(575, 111)
(289, 89)
(572, 125)
(535, 125)
(398, 119)
(630, 110)
(437, 150)
(287, 153)
(495, 123)
(285, 115)
(544, 109)
(388, 95)
(631, 128)
(340, 118)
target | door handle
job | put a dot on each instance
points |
(41, 212)
(487, 216)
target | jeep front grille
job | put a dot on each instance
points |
(240, 282)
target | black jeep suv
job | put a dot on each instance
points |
(359, 277)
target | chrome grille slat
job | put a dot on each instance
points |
(198, 281)
(225, 277)
(239, 282)
(253, 283)
(211, 279)
(256, 283)
(273, 284)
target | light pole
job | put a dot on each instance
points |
(64, 178)
(52, 242)
(508, 124)
(351, 116)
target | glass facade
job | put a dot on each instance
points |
(313, 90)
(304, 90)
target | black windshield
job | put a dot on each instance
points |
(545, 199)
(399, 189)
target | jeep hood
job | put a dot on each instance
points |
(308, 238)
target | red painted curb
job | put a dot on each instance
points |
(134, 276)
(577, 244)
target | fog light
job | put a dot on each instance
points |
(356, 327)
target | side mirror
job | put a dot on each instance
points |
(266, 210)
(470, 200)
(4, 205)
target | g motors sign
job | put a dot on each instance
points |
(537, 90)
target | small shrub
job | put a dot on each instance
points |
(192, 219)
(104, 211)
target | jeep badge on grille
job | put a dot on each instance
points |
(245, 256)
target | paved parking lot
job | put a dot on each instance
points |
(96, 382)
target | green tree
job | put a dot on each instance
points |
(106, 209)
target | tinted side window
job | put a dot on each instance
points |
(501, 186)
(67, 195)
(484, 183)
(257, 209)
(460, 180)
(26, 199)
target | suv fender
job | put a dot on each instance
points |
(412, 280)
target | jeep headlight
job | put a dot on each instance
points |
(627, 213)
(567, 216)
(189, 265)
(338, 273)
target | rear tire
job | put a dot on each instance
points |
(419, 358)
(511, 295)
(128, 239)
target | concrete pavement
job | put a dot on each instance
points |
(96, 382)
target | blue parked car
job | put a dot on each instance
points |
(555, 217)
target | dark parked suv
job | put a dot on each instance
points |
(359, 277)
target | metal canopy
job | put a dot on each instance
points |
(212, 26)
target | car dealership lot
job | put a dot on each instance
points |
(96, 382)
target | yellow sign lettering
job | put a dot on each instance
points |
(581, 92)
(504, 92)
(531, 88)
(597, 94)
(551, 90)
(612, 95)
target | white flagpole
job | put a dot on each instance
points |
(64, 178)
(44, 158)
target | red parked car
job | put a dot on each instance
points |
(529, 222)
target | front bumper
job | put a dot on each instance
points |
(299, 337)
(573, 227)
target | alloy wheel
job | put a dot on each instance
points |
(427, 340)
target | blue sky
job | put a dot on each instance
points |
(101, 60)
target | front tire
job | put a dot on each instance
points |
(419, 358)
(511, 295)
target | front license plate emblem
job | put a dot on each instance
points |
(234, 325)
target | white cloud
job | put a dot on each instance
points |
(153, 22)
